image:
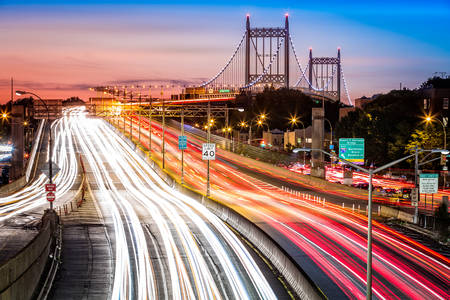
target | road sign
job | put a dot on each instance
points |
(352, 149)
(209, 151)
(414, 197)
(428, 183)
(50, 187)
(55, 169)
(51, 197)
(331, 146)
(182, 142)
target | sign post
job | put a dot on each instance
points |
(352, 150)
(182, 145)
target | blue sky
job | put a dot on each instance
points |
(383, 42)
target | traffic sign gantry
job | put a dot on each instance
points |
(50, 187)
(51, 196)
(352, 149)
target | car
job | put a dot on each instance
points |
(363, 185)
(388, 192)
(406, 193)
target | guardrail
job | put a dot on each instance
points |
(79, 197)
(20, 276)
(293, 274)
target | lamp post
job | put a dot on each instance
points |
(369, 210)
(50, 170)
(294, 121)
(331, 131)
(429, 119)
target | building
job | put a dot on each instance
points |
(274, 139)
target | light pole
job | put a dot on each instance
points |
(163, 129)
(294, 121)
(369, 210)
(50, 170)
(208, 191)
(331, 129)
(182, 150)
(429, 119)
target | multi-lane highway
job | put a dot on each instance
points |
(166, 245)
(328, 242)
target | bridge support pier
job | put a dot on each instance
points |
(317, 159)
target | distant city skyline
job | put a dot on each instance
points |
(61, 48)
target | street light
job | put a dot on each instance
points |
(294, 120)
(429, 119)
(50, 169)
(369, 210)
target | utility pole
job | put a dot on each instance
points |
(150, 127)
(416, 170)
(182, 151)
(208, 141)
(164, 129)
(139, 111)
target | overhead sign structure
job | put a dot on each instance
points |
(208, 151)
(428, 183)
(352, 149)
(182, 142)
(51, 197)
(50, 187)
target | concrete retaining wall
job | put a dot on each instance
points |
(298, 281)
(20, 275)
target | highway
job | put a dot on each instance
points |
(327, 241)
(166, 244)
(32, 198)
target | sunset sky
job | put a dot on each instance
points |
(61, 48)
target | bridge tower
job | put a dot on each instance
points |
(267, 54)
(325, 73)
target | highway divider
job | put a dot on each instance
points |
(20, 275)
(298, 281)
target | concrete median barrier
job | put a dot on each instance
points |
(298, 281)
(20, 276)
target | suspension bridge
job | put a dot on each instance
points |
(264, 57)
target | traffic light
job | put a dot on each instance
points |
(443, 159)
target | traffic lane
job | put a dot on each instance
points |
(173, 216)
(328, 286)
(365, 221)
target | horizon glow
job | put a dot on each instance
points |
(59, 51)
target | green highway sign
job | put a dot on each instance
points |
(224, 91)
(352, 149)
(428, 183)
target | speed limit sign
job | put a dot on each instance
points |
(209, 151)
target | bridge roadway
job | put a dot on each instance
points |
(328, 242)
(21, 211)
(165, 245)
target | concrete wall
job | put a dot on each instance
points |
(20, 276)
(298, 281)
